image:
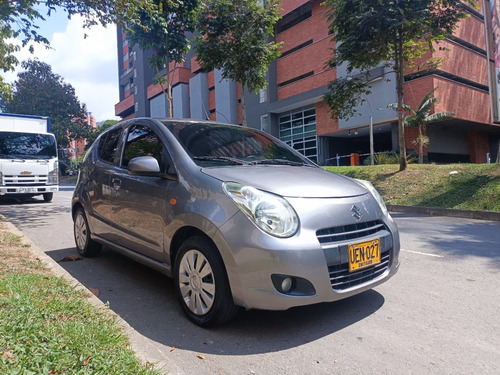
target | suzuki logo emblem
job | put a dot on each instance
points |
(356, 212)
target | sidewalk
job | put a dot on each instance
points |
(436, 211)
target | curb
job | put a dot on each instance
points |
(436, 211)
(143, 349)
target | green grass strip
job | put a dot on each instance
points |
(48, 327)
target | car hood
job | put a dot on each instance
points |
(290, 181)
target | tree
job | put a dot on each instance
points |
(38, 91)
(395, 33)
(421, 117)
(235, 40)
(163, 29)
(18, 20)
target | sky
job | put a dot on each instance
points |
(88, 64)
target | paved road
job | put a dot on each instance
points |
(438, 315)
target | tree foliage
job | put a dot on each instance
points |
(19, 20)
(163, 29)
(394, 33)
(38, 91)
(235, 39)
(422, 116)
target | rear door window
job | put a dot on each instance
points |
(108, 146)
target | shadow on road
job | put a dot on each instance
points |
(29, 213)
(147, 301)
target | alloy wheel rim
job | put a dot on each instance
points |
(196, 282)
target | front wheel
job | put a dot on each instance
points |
(202, 285)
(47, 197)
(84, 243)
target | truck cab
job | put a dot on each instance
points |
(28, 157)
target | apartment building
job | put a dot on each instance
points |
(291, 107)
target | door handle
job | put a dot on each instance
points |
(116, 182)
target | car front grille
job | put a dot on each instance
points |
(31, 180)
(349, 232)
(340, 277)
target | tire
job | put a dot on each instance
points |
(202, 285)
(47, 197)
(84, 244)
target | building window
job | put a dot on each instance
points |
(298, 130)
(263, 96)
(264, 124)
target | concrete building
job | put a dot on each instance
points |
(292, 108)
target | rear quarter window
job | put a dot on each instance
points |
(108, 146)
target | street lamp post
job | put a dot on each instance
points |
(372, 161)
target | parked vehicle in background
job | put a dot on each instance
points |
(28, 157)
(237, 217)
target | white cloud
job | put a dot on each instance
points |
(88, 64)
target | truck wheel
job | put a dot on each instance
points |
(202, 285)
(47, 197)
(84, 244)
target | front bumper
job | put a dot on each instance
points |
(319, 262)
(28, 190)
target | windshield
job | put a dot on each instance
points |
(218, 144)
(27, 146)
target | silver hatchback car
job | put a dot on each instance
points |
(234, 215)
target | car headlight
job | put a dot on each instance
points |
(54, 175)
(375, 194)
(271, 213)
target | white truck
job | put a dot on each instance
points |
(28, 157)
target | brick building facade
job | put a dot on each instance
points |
(292, 108)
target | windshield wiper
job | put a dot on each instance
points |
(280, 162)
(220, 158)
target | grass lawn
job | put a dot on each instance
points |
(49, 327)
(461, 186)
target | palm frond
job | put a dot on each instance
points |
(439, 116)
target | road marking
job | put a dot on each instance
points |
(420, 253)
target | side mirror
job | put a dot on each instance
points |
(143, 165)
(148, 166)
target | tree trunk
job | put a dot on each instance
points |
(399, 88)
(420, 146)
(243, 107)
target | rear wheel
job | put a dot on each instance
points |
(84, 244)
(47, 197)
(202, 285)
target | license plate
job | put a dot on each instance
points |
(27, 190)
(364, 254)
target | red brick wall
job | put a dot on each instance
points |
(324, 123)
(471, 30)
(311, 58)
(462, 62)
(211, 93)
(195, 65)
(288, 5)
(467, 102)
(124, 105)
(180, 74)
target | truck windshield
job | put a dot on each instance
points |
(15, 145)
